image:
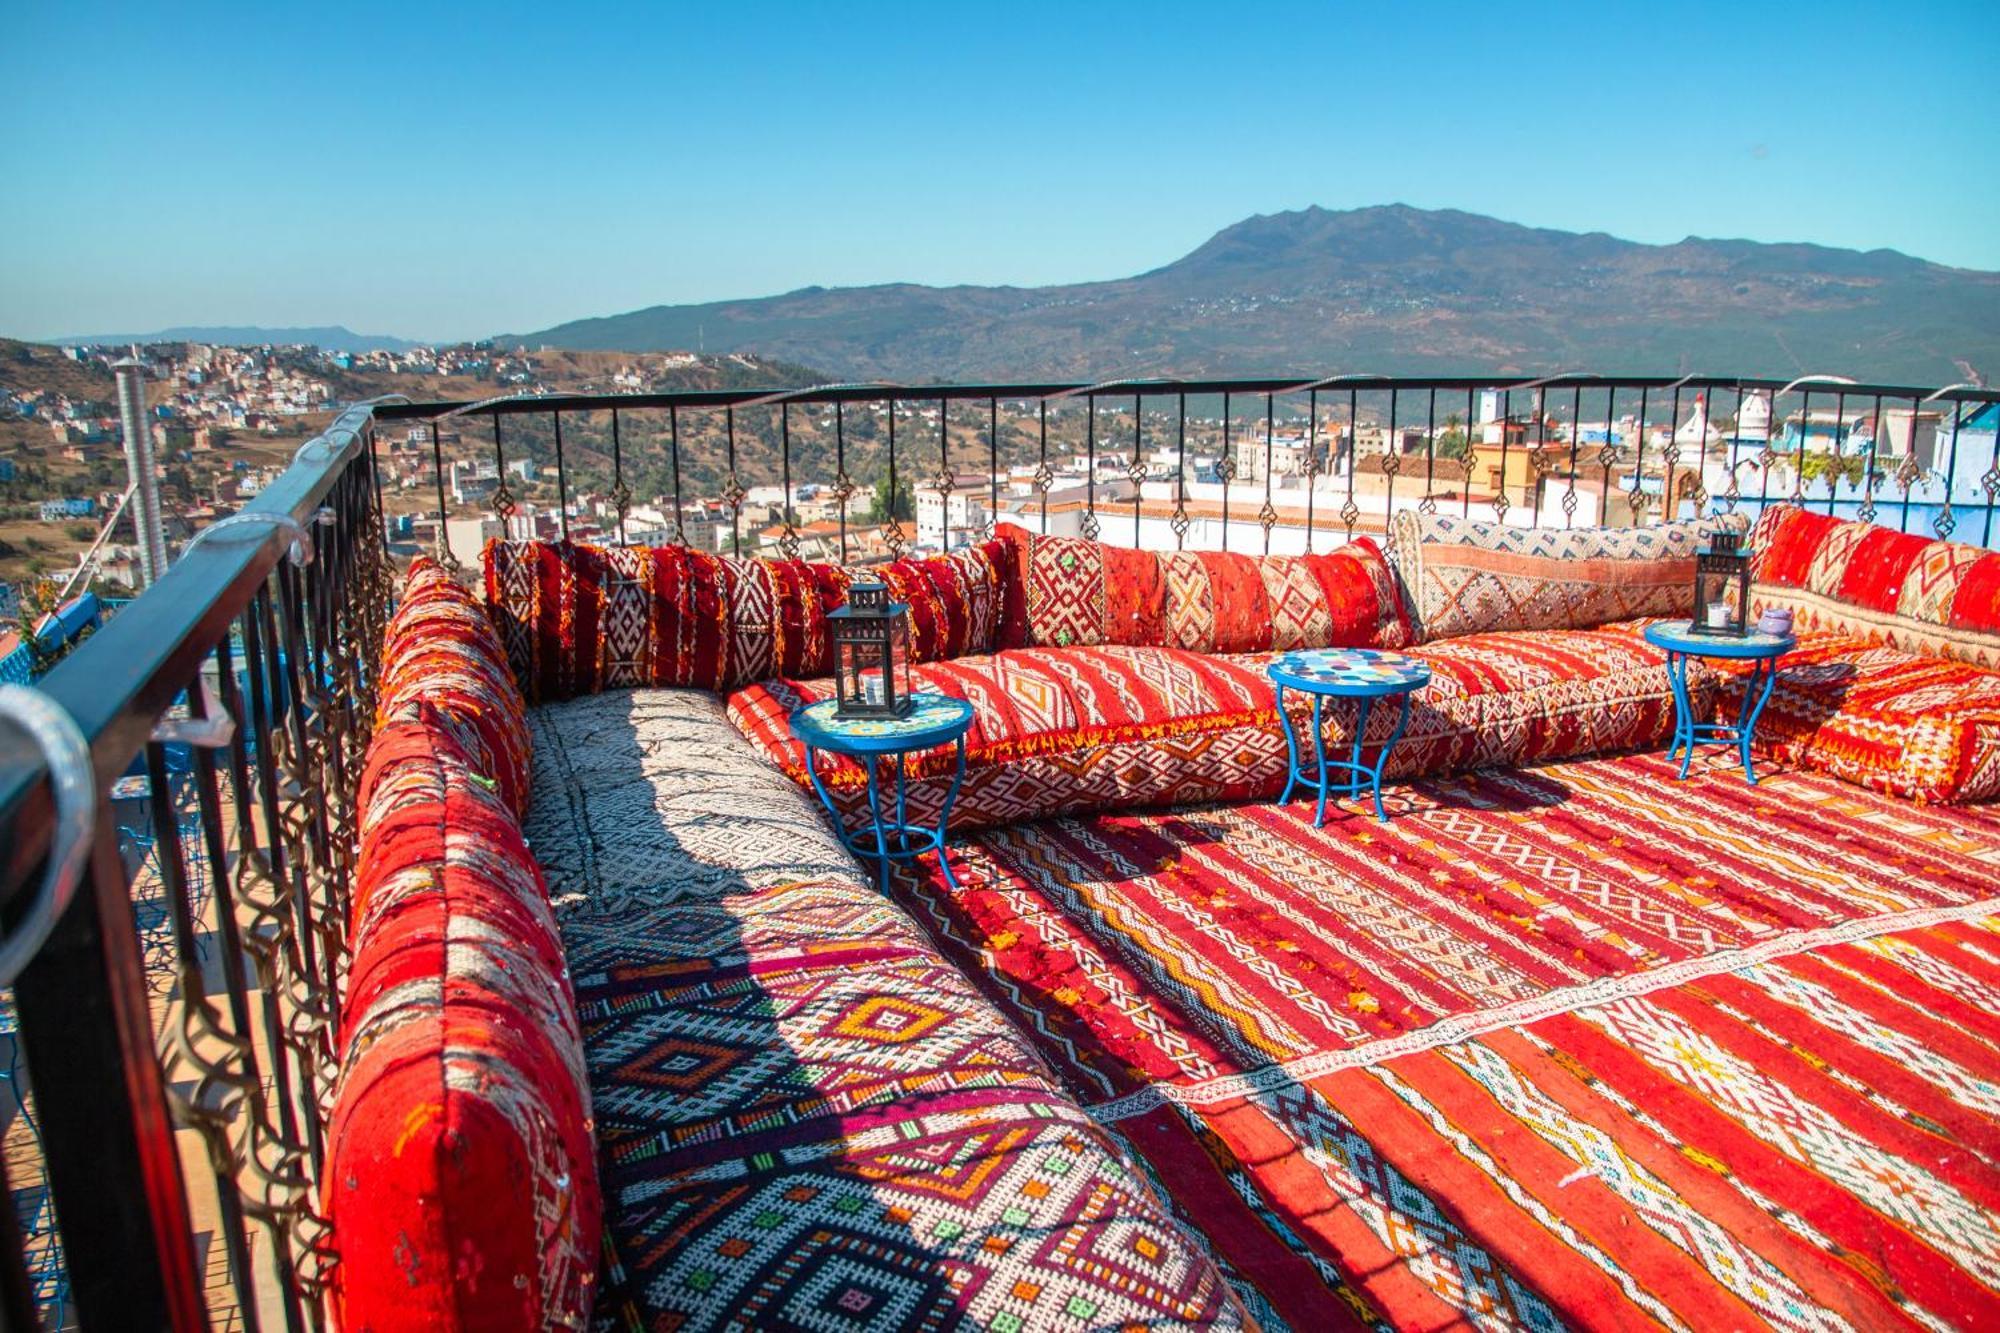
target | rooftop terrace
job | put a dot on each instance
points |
(1565, 1041)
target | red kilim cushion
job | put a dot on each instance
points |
(1111, 727)
(1067, 592)
(1934, 598)
(576, 618)
(461, 1180)
(440, 649)
(1923, 728)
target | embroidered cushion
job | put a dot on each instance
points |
(1462, 576)
(440, 649)
(460, 1180)
(1067, 592)
(1937, 598)
(575, 619)
(1923, 728)
(1111, 727)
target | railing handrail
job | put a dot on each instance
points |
(516, 404)
(119, 683)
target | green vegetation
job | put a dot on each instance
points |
(1819, 467)
(1452, 442)
(905, 504)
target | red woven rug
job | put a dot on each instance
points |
(1577, 1045)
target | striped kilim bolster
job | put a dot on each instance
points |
(1106, 728)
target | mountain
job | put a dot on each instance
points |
(334, 339)
(1385, 290)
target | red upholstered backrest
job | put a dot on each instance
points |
(461, 1180)
(575, 619)
(1935, 597)
(1070, 592)
(440, 649)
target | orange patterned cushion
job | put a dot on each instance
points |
(576, 619)
(1936, 598)
(1923, 728)
(1066, 592)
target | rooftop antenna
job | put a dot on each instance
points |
(140, 469)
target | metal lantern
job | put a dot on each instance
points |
(1722, 587)
(871, 654)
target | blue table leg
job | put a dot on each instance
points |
(1683, 711)
(902, 825)
(1319, 758)
(1291, 749)
(944, 814)
(1746, 721)
(881, 836)
(819, 788)
(1382, 760)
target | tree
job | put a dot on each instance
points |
(905, 505)
(1452, 443)
(1832, 468)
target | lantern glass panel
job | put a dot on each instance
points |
(1721, 593)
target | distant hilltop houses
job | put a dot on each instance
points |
(196, 389)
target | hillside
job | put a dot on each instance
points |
(39, 368)
(43, 466)
(1390, 290)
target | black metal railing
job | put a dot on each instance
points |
(187, 991)
(1565, 449)
(184, 997)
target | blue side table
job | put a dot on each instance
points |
(1365, 674)
(936, 719)
(1761, 650)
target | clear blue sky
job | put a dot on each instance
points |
(467, 170)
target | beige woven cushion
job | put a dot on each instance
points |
(1461, 576)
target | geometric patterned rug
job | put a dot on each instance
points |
(1570, 1046)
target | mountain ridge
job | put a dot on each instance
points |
(332, 337)
(1387, 289)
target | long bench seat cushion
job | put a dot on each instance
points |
(1933, 598)
(1072, 729)
(1920, 727)
(808, 1118)
(1463, 576)
(440, 649)
(461, 1181)
(575, 618)
(1070, 592)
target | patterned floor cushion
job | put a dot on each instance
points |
(807, 1118)
(1911, 725)
(1070, 729)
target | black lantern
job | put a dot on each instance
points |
(871, 654)
(1722, 586)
